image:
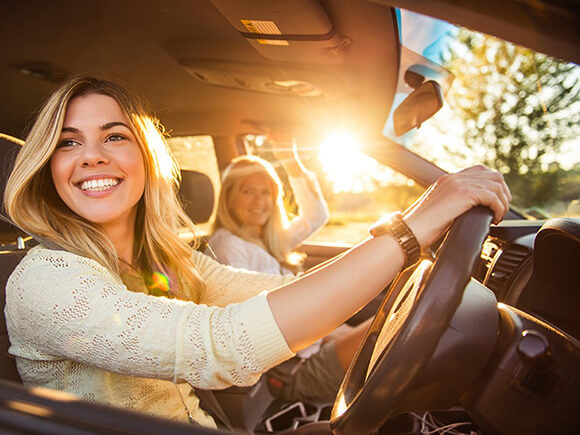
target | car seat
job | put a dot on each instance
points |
(8, 261)
(197, 195)
(9, 147)
(552, 292)
(12, 250)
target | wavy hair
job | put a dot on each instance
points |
(32, 203)
(273, 234)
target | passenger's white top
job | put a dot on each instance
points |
(75, 327)
(313, 214)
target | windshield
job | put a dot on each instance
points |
(514, 110)
(505, 106)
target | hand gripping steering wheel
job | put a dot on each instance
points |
(413, 317)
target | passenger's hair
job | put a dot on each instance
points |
(273, 234)
(33, 204)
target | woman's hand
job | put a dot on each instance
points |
(286, 152)
(452, 195)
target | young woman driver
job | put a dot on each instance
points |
(94, 183)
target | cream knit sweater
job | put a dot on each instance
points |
(75, 327)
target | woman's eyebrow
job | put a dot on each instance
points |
(103, 127)
(70, 130)
(110, 125)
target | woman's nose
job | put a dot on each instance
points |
(93, 154)
(258, 199)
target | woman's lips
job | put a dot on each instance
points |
(99, 186)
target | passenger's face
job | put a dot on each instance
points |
(98, 168)
(253, 202)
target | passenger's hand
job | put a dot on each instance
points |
(454, 194)
(286, 152)
(283, 146)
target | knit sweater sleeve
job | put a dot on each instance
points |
(63, 306)
(312, 208)
(226, 284)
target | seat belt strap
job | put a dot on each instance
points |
(209, 403)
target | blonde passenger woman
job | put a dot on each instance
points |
(113, 307)
(252, 229)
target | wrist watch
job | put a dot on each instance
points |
(396, 226)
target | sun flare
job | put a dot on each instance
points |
(345, 165)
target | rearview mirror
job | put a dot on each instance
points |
(420, 105)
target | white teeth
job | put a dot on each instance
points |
(96, 185)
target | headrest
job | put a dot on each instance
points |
(9, 148)
(197, 195)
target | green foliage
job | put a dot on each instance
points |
(519, 107)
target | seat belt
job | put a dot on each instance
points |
(209, 403)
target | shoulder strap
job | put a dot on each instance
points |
(210, 404)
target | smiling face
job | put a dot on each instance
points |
(252, 201)
(97, 168)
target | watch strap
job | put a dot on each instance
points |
(396, 226)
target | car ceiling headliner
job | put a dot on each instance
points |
(141, 43)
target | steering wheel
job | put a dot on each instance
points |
(413, 317)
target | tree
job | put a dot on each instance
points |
(519, 107)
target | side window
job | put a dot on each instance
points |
(358, 189)
(197, 153)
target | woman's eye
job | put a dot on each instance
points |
(115, 137)
(67, 143)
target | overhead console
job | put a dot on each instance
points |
(257, 77)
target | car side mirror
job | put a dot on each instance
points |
(419, 106)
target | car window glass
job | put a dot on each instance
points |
(514, 110)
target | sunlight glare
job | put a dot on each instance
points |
(346, 166)
(340, 406)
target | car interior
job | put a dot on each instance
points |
(486, 333)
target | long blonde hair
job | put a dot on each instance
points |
(273, 234)
(33, 204)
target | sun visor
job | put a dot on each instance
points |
(297, 31)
